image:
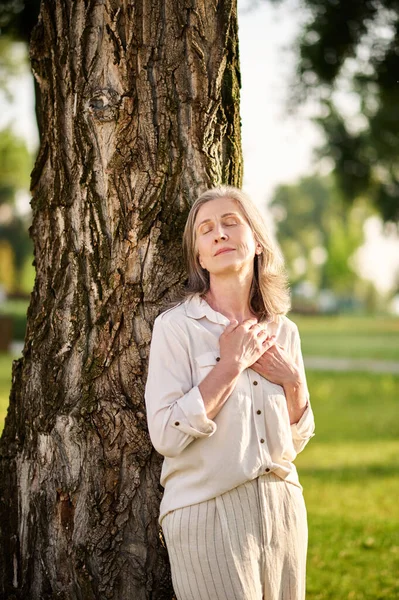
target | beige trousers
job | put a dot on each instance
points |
(247, 544)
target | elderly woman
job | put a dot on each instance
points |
(228, 408)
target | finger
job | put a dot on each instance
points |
(249, 323)
(269, 342)
(263, 333)
(231, 326)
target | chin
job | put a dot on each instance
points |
(228, 268)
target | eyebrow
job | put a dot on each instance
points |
(230, 214)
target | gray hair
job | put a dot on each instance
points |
(269, 295)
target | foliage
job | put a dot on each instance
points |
(17, 309)
(7, 267)
(15, 166)
(12, 61)
(5, 385)
(355, 46)
(317, 233)
(18, 17)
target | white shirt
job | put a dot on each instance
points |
(250, 436)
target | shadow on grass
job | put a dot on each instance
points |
(353, 474)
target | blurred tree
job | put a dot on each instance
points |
(17, 20)
(7, 268)
(16, 162)
(317, 233)
(15, 167)
(13, 57)
(356, 43)
(18, 17)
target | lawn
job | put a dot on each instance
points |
(351, 336)
(350, 475)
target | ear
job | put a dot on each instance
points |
(200, 261)
(258, 249)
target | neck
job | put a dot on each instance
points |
(229, 295)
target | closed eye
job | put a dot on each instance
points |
(230, 222)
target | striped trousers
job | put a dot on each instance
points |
(247, 544)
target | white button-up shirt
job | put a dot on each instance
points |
(250, 436)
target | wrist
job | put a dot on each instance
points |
(297, 395)
(295, 382)
(232, 368)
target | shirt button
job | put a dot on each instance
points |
(262, 441)
(255, 383)
(258, 412)
(217, 358)
(267, 470)
(177, 423)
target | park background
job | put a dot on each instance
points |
(343, 262)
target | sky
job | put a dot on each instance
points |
(277, 147)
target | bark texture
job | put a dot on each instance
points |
(139, 112)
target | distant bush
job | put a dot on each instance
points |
(16, 309)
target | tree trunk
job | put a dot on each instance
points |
(139, 113)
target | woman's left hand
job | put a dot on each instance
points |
(277, 366)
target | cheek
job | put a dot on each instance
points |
(200, 251)
(248, 246)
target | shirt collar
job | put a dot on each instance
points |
(198, 308)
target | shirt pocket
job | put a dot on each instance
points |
(203, 364)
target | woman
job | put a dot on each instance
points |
(228, 408)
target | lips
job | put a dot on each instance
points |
(223, 250)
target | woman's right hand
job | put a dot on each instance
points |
(242, 344)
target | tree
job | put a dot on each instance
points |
(139, 107)
(318, 234)
(15, 165)
(356, 43)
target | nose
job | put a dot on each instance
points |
(220, 234)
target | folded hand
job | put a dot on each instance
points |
(276, 365)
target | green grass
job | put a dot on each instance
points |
(350, 475)
(349, 336)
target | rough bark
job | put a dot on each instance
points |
(139, 113)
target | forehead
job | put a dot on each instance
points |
(217, 207)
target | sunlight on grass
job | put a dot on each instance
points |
(350, 475)
(352, 560)
(365, 471)
(347, 336)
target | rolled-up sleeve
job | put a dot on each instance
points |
(176, 413)
(303, 430)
